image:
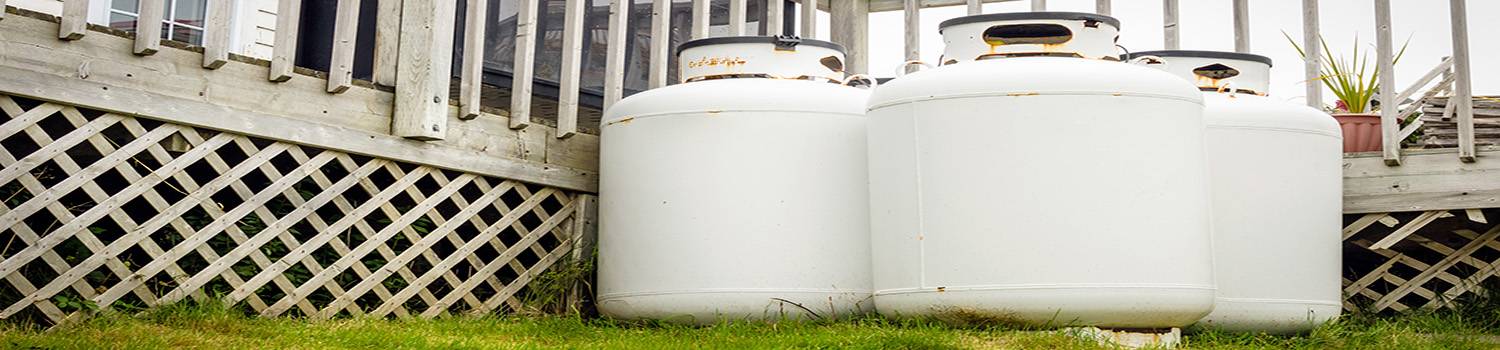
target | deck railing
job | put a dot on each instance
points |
(413, 53)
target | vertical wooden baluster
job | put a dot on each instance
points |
(471, 78)
(1242, 26)
(912, 18)
(520, 97)
(1386, 66)
(341, 65)
(424, 68)
(148, 26)
(850, 26)
(700, 19)
(75, 19)
(283, 54)
(614, 58)
(1463, 89)
(809, 19)
(572, 62)
(216, 33)
(736, 17)
(387, 41)
(1103, 7)
(975, 7)
(1313, 49)
(774, 9)
(1170, 36)
(661, 21)
(1038, 5)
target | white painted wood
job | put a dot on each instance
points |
(387, 41)
(912, 19)
(897, 5)
(1241, 26)
(1171, 39)
(1434, 73)
(75, 19)
(614, 57)
(341, 63)
(1463, 89)
(471, 80)
(1103, 7)
(661, 26)
(216, 33)
(1408, 229)
(283, 55)
(424, 67)
(808, 11)
(1313, 50)
(736, 17)
(1428, 179)
(525, 63)
(1038, 5)
(572, 65)
(1385, 63)
(700, 18)
(849, 26)
(148, 27)
(237, 98)
(973, 7)
(774, 9)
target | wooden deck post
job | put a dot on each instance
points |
(216, 33)
(572, 65)
(614, 57)
(661, 30)
(1038, 5)
(774, 9)
(809, 19)
(1313, 50)
(1242, 26)
(1103, 7)
(341, 63)
(736, 17)
(75, 20)
(471, 75)
(1386, 65)
(912, 17)
(148, 27)
(387, 41)
(1463, 89)
(1170, 37)
(524, 65)
(849, 23)
(283, 54)
(424, 66)
(700, 18)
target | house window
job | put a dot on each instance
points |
(183, 20)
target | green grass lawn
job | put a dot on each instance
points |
(217, 328)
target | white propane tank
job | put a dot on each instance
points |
(1276, 171)
(1051, 186)
(739, 194)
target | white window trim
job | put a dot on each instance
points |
(239, 19)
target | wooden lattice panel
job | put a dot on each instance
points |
(1404, 261)
(107, 211)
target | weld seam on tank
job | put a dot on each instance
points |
(696, 114)
(1276, 129)
(1044, 286)
(1197, 101)
(1280, 301)
(916, 145)
(712, 291)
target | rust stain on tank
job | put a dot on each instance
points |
(714, 61)
(625, 120)
(1019, 94)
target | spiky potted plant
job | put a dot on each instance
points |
(1354, 82)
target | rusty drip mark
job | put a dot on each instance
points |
(942, 289)
(1019, 94)
(625, 120)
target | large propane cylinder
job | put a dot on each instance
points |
(1034, 178)
(739, 194)
(1276, 174)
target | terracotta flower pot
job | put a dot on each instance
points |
(1361, 131)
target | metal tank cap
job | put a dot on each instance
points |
(1020, 34)
(776, 57)
(1213, 70)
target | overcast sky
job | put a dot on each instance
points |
(1206, 25)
